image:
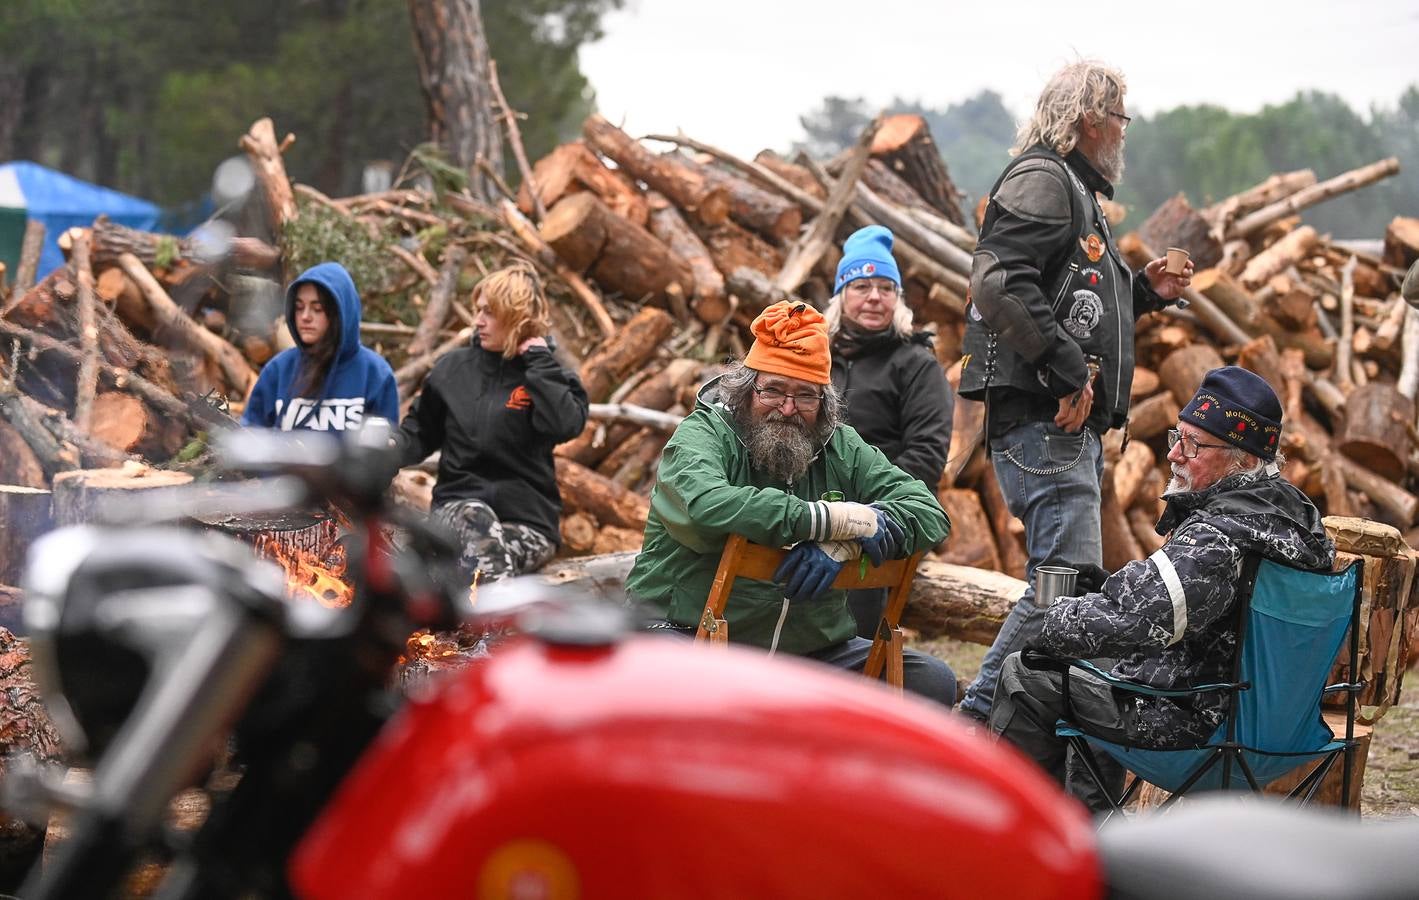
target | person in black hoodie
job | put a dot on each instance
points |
(896, 394)
(496, 409)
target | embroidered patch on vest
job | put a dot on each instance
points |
(1084, 315)
(1093, 247)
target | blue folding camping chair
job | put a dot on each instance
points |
(1291, 624)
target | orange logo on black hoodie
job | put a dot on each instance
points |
(519, 398)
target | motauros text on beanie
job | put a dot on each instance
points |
(1238, 406)
(791, 339)
(867, 253)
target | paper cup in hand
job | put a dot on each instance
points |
(1053, 582)
(1177, 261)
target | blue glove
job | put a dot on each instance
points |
(887, 542)
(807, 572)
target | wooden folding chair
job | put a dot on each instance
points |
(742, 559)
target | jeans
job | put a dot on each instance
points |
(922, 674)
(1051, 482)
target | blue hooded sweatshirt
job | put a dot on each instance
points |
(359, 383)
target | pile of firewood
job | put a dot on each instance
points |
(658, 253)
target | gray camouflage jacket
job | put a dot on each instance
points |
(1169, 619)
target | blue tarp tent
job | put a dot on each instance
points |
(59, 202)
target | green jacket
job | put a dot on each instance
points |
(705, 490)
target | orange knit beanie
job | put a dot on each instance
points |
(791, 339)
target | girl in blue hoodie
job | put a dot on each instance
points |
(328, 381)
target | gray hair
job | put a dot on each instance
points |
(1080, 89)
(736, 385)
(1244, 463)
(901, 315)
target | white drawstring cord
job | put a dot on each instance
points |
(778, 627)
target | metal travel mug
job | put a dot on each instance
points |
(1053, 582)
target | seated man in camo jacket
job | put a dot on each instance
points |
(1168, 619)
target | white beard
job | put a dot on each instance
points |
(1111, 165)
(1178, 484)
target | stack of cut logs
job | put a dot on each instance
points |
(658, 253)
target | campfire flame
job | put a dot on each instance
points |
(308, 577)
(427, 646)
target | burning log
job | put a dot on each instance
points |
(306, 544)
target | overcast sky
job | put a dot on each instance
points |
(739, 73)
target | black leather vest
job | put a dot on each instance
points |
(1090, 288)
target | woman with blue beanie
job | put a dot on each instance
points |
(328, 381)
(894, 390)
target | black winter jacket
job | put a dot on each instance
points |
(496, 421)
(1169, 619)
(898, 399)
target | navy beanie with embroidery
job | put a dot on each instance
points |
(1237, 405)
(867, 253)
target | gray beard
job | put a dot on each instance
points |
(780, 447)
(1111, 165)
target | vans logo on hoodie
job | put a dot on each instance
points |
(519, 398)
(322, 415)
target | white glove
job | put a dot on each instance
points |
(842, 551)
(840, 520)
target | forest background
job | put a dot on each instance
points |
(148, 96)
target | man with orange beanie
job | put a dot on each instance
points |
(765, 455)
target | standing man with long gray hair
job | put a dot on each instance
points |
(1049, 331)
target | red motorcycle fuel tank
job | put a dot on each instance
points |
(655, 768)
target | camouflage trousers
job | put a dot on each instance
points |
(493, 548)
